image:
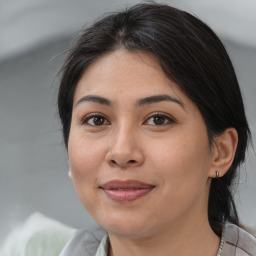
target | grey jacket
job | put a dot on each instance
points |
(237, 242)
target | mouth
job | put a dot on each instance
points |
(125, 191)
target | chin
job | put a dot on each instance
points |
(127, 227)
(127, 231)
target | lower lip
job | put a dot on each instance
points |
(126, 195)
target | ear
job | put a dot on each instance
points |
(70, 174)
(223, 152)
(69, 170)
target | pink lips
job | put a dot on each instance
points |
(128, 190)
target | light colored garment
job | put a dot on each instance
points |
(237, 242)
(87, 243)
(37, 236)
(103, 247)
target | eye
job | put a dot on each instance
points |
(159, 119)
(95, 120)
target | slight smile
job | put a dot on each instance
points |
(125, 191)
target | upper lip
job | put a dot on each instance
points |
(125, 184)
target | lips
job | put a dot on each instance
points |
(128, 190)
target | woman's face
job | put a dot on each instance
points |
(138, 147)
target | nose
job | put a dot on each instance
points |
(124, 150)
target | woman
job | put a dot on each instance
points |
(154, 124)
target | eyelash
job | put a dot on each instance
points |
(166, 119)
(86, 120)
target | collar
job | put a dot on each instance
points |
(103, 247)
(237, 242)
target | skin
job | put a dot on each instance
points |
(126, 141)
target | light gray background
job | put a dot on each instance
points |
(33, 161)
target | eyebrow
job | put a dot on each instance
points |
(96, 99)
(140, 102)
(159, 98)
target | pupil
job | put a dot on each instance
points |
(98, 120)
(158, 120)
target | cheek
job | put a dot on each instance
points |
(84, 155)
(85, 163)
(181, 150)
(182, 171)
(182, 162)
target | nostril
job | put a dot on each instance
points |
(121, 163)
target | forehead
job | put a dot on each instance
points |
(126, 75)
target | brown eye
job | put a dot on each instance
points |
(95, 120)
(159, 119)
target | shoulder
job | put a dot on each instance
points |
(83, 242)
(237, 241)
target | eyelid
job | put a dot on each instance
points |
(87, 117)
(163, 114)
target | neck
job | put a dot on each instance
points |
(197, 236)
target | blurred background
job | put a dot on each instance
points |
(33, 38)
